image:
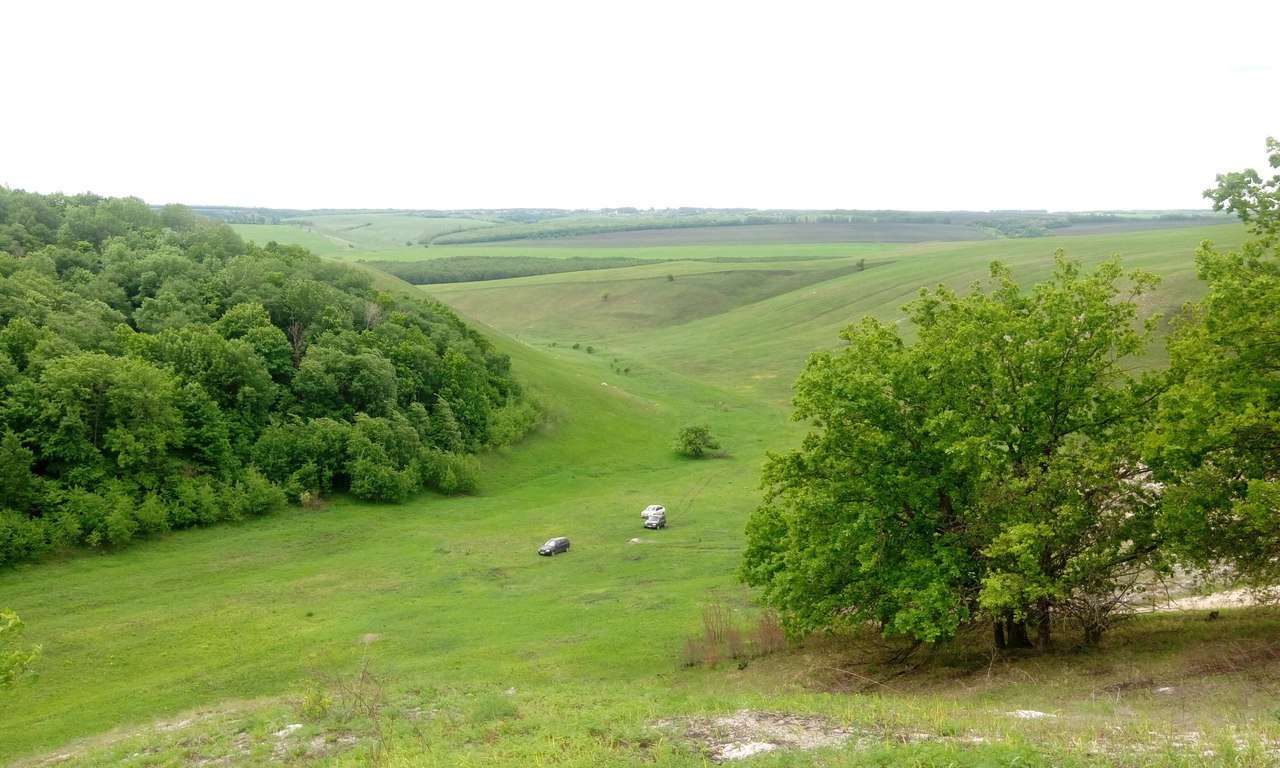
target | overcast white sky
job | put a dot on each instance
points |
(1079, 105)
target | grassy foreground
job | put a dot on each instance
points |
(431, 633)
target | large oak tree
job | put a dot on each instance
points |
(986, 469)
(1217, 444)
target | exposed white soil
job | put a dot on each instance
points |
(288, 744)
(1228, 598)
(747, 732)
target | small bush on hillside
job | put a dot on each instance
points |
(696, 440)
(314, 703)
(256, 496)
(374, 481)
(193, 501)
(15, 662)
(350, 700)
(769, 636)
(717, 621)
(722, 638)
(692, 654)
(513, 421)
(448, 473)
(22, 538)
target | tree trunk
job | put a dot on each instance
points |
(1042, 615)
(1016, 632)
(997, 628)
(298, 338)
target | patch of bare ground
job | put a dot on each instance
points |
(1243, 751)
(1180, 593)
(70, 754)
(192, 740)
(748, 732)
(309, 748)
(1162, 684)
(1228, 598)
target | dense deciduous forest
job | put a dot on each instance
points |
(157, 372)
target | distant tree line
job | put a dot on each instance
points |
(682, 218)
(1038, 225)
(573, 227)
(156, 372)
(1042, 224)
(878, 217)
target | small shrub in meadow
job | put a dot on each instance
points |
(735, 643)
(717, 620)
(314, 703)
(769, 637)
(696, 440)
(691, 654)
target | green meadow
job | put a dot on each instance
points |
(745, 318)
(431, 633)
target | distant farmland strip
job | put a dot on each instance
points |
(559, 228)
(778, 234)
(468, 269)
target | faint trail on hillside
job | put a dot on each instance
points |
(687, 499)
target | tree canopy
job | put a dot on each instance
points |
(1217, 445)
(158, 372)
(1002, 465)
(986, 469)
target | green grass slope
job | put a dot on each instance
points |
(749, 325)
(447, 593)
(210, 646)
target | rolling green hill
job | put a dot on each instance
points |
(333, 234)
(749, 324)
(402, 235)
(430, 633)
